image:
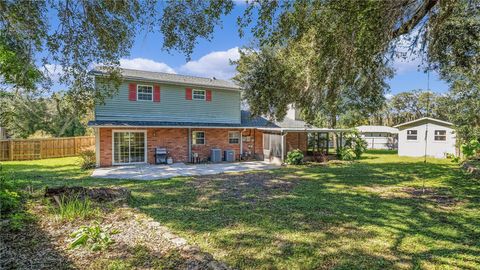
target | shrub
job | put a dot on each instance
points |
(295, 157)
(347, 154)
(9, 199)
(87, 159)
(454, 159)
(470, 148)
(355, 142)
(18, 220)
(93, 237)
(70, 209)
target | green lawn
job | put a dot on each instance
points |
(367, 215)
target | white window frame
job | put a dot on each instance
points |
(238, 137)
(416, 135)
(194, 139)
(144, 85)
(126, 131)
(204, 93)
(435, 135)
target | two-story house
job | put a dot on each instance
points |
(188, 116)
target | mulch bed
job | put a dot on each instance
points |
(95, 194)
(141, 241)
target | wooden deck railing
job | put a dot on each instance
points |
(44, 148)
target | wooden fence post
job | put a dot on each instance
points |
(10, 149)
(41, 149)
(74, 146)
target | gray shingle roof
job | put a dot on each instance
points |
(246, 122)
(172, 78)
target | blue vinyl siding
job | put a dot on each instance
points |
(173, 107)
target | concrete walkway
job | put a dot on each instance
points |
(152, 172)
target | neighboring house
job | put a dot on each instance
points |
(379, 137)
(426, 136)
(189, 116)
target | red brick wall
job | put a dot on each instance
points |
(105, 147)
(174, 139)
(296, 140)
(215, 138)
(176, 142)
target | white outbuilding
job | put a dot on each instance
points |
(426, 136)
(379, 137)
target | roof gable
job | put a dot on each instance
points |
(425, 119)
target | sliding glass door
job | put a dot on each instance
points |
(129, 147)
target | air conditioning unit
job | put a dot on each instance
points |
(229, 155)
(216, 155)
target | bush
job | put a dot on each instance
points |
(18, 220)
(454, 159)
(88, 159)
(354, 147)
(347, 154)
(9, 199)
(295, 157)
(470, 148)
(70, 209)
(93, 237)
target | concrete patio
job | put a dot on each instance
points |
(152, 172)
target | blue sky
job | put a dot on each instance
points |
(211, 58)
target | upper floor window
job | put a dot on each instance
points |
(234, 137)
(198, 137)
(412, 135)
(198, 94)
(440, 135)
(145, 92)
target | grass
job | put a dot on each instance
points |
(383, 212)
(70, 209)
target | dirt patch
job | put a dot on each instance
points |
(142, 243)
(472, 168)
(435, 195)
(249, 187)
(96, 194)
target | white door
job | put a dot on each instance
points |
(129, 147)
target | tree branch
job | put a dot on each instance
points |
(415, 19)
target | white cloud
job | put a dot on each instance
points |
(409, 63)
(145, 64)
(215, 64)
(388, 96)
(53, 71)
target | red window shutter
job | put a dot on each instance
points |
(132, 92)
(156, 93)
(209, 95)
(188, 93)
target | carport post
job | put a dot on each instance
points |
(283, 144)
